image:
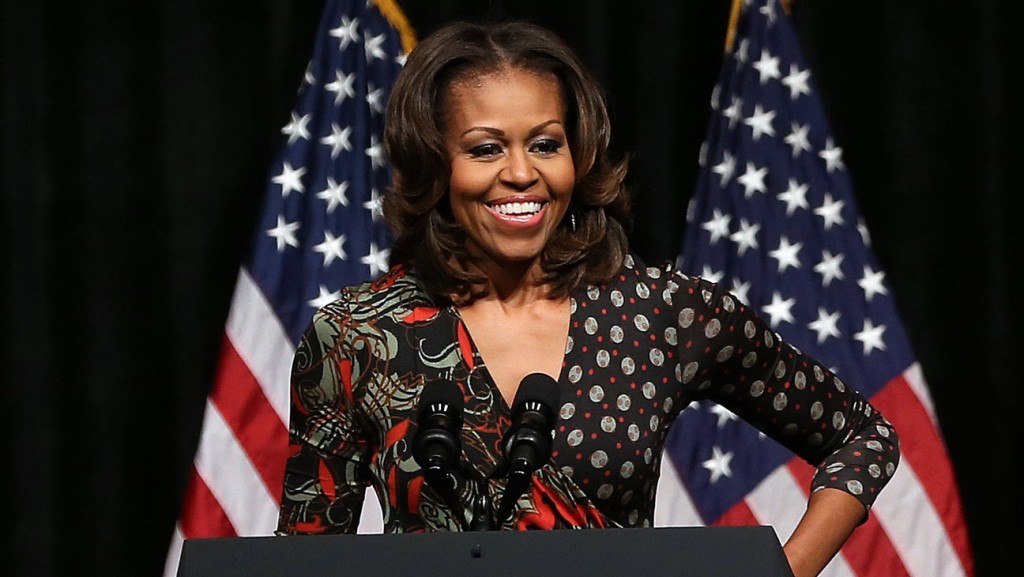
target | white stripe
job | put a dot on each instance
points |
(174, 553)
(673, 506)
(261, 342)
(915, 527)
(372, 518)
(232, 479)
(915, 378)
(780, 501)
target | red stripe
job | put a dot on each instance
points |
(738, 514)
(237, 395)
(921, 445)
(201, 514)
(869, 551)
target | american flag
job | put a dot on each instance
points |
(775, 219)
(321, 229)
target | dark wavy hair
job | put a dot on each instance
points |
(417, 209)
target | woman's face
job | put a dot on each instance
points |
(512, 173)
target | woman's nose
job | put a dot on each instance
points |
(519, 171)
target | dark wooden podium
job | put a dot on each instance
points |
(657, 552)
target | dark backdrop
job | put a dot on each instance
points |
(137, 137)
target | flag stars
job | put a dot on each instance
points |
(376, 259)
(726, 168)
(798, 81)
(779, 310)
(297, 128)
(741, 290)
(753, 180)
(331, 248)
(718, 226)
(338, 139)
(871, 337)
(734, 111)
(768, 10)
(872, 283)
(346, 33)
(795, 197)
(862, 228)
(325, 298)
(290, 179)
(724, 415)
(374, 97)
(742, 51)
(711, 275)
(786, 254)
(334, 194)
(831, 211)
(797, 139)
(718, 464)
(375, 152)
(746, 236)
(375, 205)
(343, 86)
(832, 155)
(374, 48)
(767, 67)
(761, 122)
(308, 77)
(830, 267)
(284, 233)
(826, 325)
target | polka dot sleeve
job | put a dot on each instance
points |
(730, 356)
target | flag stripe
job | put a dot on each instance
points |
(246, 410)
(204, 516)
(908, 515)
(224, 466)
(869, 551)
(260, 341)
(921, 444)
(673, 506)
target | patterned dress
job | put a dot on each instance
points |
(639, 350)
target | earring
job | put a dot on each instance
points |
(572, 220)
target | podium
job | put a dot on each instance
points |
(660, 552)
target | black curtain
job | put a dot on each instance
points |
(137, 137)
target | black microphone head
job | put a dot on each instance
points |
(436, 444)
(440, 393)
(536, 388)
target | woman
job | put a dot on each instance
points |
(511, 258)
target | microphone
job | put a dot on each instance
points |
(436, 446)
(527, 445)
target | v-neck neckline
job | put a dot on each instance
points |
(480, 364)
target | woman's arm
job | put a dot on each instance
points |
(831, 517)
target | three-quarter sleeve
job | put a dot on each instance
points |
(326, 471)
(729, 355)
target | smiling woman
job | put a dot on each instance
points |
(510, 268)
(534, 73)
(512, 174)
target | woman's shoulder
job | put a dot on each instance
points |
(393, 294)
(636, 270)
(657, 278)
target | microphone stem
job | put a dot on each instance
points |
(482, 513)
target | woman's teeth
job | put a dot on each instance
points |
(517, 208)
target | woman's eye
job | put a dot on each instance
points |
(485, 150)
(546, 146)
